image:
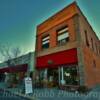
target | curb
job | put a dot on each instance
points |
(26, 96)
(21, 95)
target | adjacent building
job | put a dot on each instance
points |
(20, 66)
(68, 49)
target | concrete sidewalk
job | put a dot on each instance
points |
(55, 94)
(7, 95)
(15, 91)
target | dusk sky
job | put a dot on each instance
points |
(19, 18)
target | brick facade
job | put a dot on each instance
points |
(88, 56)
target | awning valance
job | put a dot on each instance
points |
(16, 68)
(66, 57)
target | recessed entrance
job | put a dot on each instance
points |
(53, 77)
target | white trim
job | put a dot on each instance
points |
(62, 76)
(46, 38)
(63, 30)
(63, 36)
(45, 42)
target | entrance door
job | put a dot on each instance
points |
(53, 76)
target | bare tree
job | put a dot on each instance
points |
(8, 53)
(16, 52)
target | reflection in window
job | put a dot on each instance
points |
(71, 76)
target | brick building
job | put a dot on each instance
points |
(67, 49)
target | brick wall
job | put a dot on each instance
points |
(90, 53)
(77, 24)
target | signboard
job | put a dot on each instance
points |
(28, 85)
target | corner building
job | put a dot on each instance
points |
(68, 50)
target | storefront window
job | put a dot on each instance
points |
(63, 75)
(42, 74)
(70, 75)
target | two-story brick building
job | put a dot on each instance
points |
(67, 49)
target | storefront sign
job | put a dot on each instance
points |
(28, 85)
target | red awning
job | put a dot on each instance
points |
(12, 69)
(66, 57)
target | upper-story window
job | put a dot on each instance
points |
(63, 36)
(86, 36)
(96, 49)
(94, 63)
(99, 50)
(92, 44)
(45, 42)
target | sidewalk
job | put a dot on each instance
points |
(56, 94)
(15, 91)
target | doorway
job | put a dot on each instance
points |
(53, 77)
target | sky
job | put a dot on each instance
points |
(19, 18)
